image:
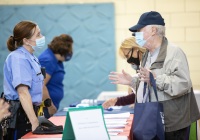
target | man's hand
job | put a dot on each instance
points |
(144, 74)
(120, 78)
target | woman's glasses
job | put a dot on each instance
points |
(127, 55)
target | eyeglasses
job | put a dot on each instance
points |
(129, 53)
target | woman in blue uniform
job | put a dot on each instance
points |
(23, 79)
(59, 50)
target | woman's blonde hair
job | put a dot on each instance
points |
(130, 43)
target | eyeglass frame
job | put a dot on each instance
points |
(129, 53)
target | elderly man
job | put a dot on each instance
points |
(169, 65)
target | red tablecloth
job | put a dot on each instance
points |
(60, 120)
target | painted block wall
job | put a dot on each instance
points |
(182, 18)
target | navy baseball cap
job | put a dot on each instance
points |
(148, 18)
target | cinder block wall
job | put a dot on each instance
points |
(182, 18)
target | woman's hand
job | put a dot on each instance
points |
(26, 102)
(120, 78)
(109, 103)
(34, 124)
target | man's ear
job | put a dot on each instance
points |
(154, 31)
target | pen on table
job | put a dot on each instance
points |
(109, 109)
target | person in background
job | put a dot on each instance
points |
(4, 112)
(132, 52)
(168, 64)
(23, 80)
(59, 50)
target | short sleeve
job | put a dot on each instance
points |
(49, 66)
(21, 71)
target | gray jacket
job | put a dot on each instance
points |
(174, 87)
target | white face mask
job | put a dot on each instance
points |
(139, 37)
(39, 43)
(135, 67)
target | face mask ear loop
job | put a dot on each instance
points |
(131, 53)
(138, 54)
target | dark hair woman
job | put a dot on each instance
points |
(59, 50)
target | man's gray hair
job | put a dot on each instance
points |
(160, 30)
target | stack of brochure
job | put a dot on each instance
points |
(115, 123)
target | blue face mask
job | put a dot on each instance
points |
(139, 37)
(68, 57)
(39, 43)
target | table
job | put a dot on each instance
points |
(114, 111)
(60, 120)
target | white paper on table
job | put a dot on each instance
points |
(118, 137)
(87, 123)
(65, 108)
(115, 126)
(116, 107)
(115, 130)
(117, 116)
(113, 134)
(115, 120)
(110, 122)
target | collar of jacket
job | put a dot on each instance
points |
(161, 56)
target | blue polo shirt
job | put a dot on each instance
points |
(55, 69)
(22, 67)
